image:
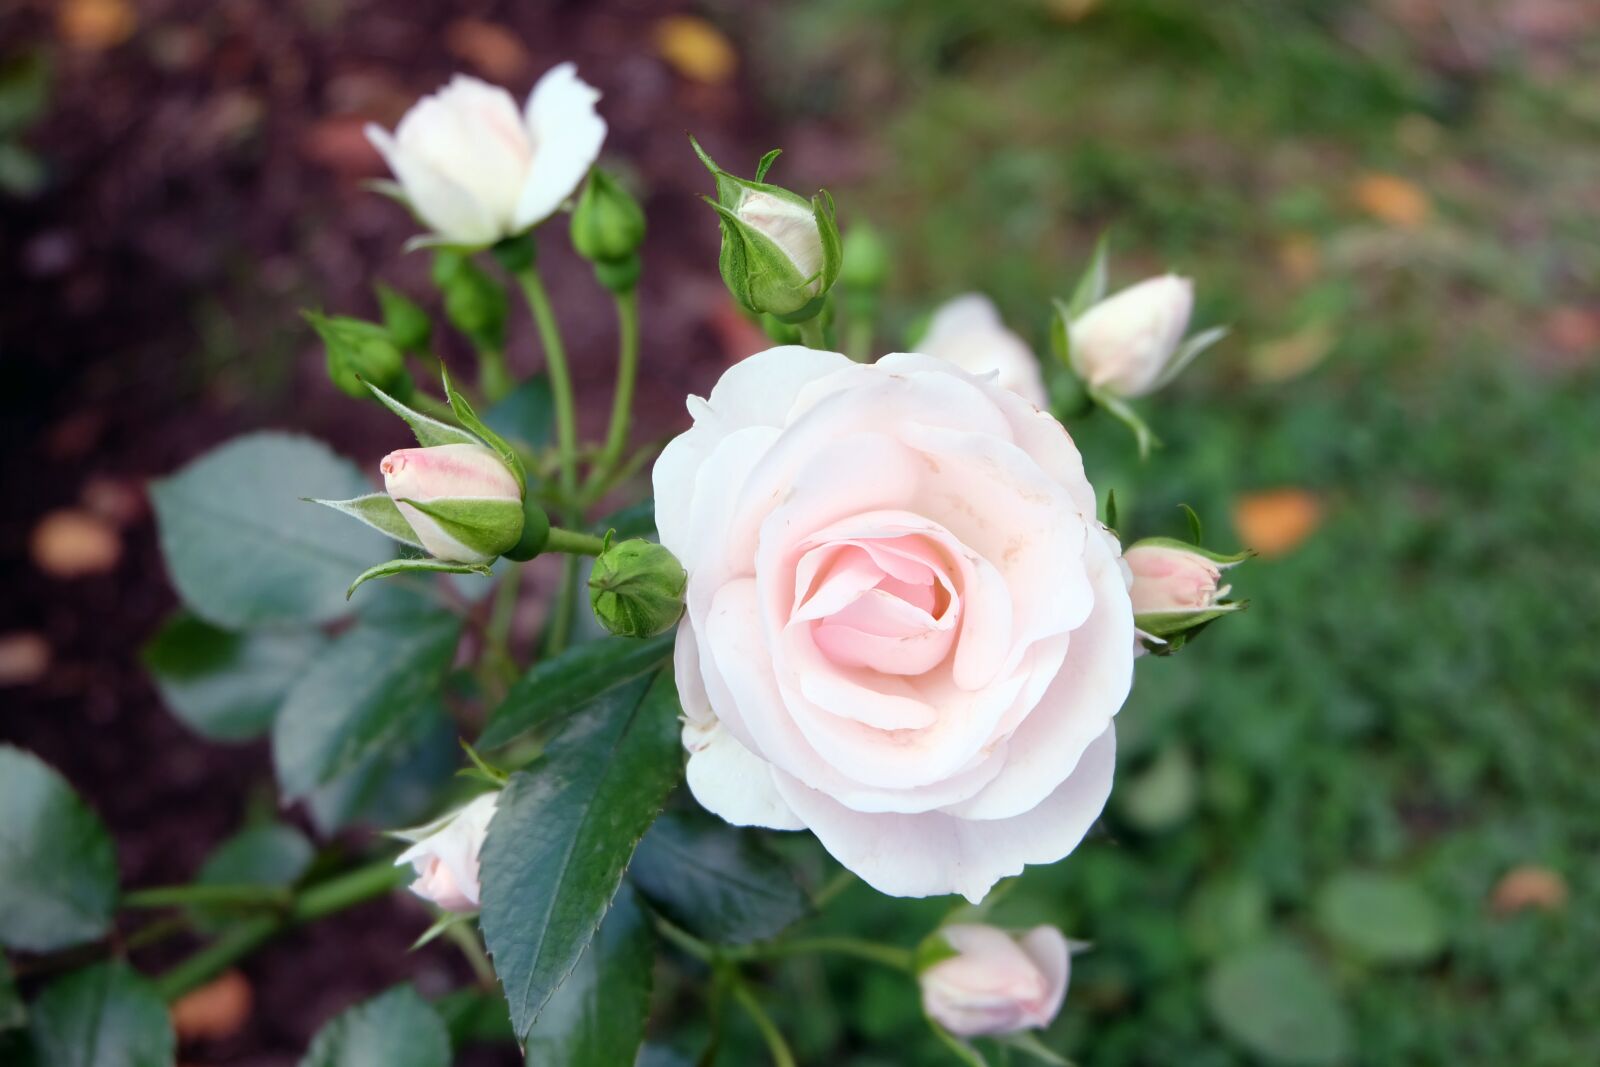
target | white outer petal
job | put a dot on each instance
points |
(567, 133)
(968, 332)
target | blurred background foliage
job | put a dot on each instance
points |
(1354, 824)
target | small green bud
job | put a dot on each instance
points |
(516, 253)
(636, 588)
(780, 253)
(359, 351)
(608, 223)
(866, 259)
(408, 325)
(473, 302)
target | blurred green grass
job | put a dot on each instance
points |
(1414, 689)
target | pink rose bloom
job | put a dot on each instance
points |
(1167, 578)
(445, 855)
(996, 983)
(968, 332)
(905, 629)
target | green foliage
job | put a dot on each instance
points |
(720, 883)
(396, 1029)
(1380, 917)
(555, 688)
(597, 1017)
(242, 547)
(564, 831)
(102, 1016)
(58, 871)
(1275, 999)
(272, 854)
(226, 686)
(360, 697)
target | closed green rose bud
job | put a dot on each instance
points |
(637, 588)
(358, 352)
(781, 253)
(473, 303)
(608, 223)
(408, 325)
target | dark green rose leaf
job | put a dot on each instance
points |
(565, 830)
(718, 882)
(359, 698)
(558, 686)
(243, 546)
(226, 686)
(597, 1017)
(1275, 1000)
(58, 870)
(104, 1016)
(396, 1029)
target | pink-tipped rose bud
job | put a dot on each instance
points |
(445, 855)
(1126, 344)
(997, 983)
(1171, 579)
(462, 501)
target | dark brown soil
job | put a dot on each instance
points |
(206, 183)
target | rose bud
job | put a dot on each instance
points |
(780, 252)
(607, 230)
(1128, 344)
(968, 332)
(359, 352)
(1177, 588)
(996, 983)
(636, 588)
(462, 501)
(475, 169)
(408, 325)
(445, 855)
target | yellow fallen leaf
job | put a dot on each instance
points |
(96, 25)
(1394, 200)
(494, 50)
(1289, 357)
(696, 49)
(1529, 887)
(71, 544)
(217, 1010)
(1301, 257)
(1275, 521)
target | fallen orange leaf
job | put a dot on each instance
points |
(71, 544)
(1393, 200)
(494, 50)
(216, 1010)
(1275, 521)
(24, 658)
(696, 49)
(96, 25)
(1529, 887)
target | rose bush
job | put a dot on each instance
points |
(905, 628)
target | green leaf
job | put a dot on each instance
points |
(396, 1029)
(272, 854)
(378, 511)
(226, 686)
(243, 548)
(396, 785)
(58, 870)
(1027, 1042)
(427, 430)
(1380, 917)
(597, 1018)
(13, 1013)
(359, 698)
(557, 687)
(765, 164)
(1227, 912)
(1275, 1000)
(414, 566)
(104, 1016)
(1091, 287)
(469, 418)
(527, 415)
(1123, 412)
(719, 883)
(565, 830)
(1163, 795)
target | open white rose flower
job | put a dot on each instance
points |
(905, 629)
(967, 331)
(997, 983)
(475, 169)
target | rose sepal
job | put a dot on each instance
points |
(403, 566)
(1221, 559)
(378, 511)
(489, 527)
